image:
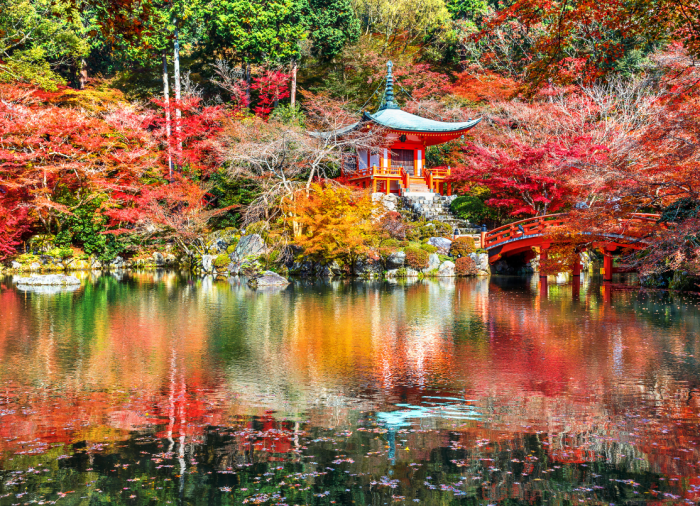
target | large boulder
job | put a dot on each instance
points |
(268, 278)
(16, 265)
(117, 263)
(433, 263)
(368, 267)
(447, 269)
(481, 260)
(395, 260)
(303, 267)
(208, 263)
(219, 245)
(442, 244)
(49, 279)
(328, 269)
(159, 259)
(401, 273)
(249, 245)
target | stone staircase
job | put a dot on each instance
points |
(418, 188)
(430, 206)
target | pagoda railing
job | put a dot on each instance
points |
(377, 171)
(439, 172)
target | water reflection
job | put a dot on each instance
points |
(346, 391)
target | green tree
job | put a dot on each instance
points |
(41, 41)
(331, 25)
(404, 20)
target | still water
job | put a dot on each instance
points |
(159, 388)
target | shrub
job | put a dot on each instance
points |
(471, 208)
(386, 251)
(465, 266)
(462, 247)
(262, 228)
(61, 253)
(390, 243)
(438, 229)
(392, 225)
(221, 261)
(41, 242)
(429, 248)
(416, 258)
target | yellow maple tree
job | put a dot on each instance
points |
(332, 222)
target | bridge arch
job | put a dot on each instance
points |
(522, 236)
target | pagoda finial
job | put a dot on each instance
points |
(389, 102)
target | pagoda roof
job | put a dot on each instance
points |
(391, 116)
(396, 119)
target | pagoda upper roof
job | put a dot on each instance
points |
(391, 116)
(396, 119)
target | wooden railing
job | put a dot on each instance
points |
(531, 226)
(376, 171)
(540, 225)
(440, 172)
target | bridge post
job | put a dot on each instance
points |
(575, 288)
(607, 266)
(576, 268)
(544, 288)
(543, 257)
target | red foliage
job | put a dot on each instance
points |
(272, 86)
(420, 81)
(465, 266)
(14, 223)
(584, 40)
(484, 87)
(53, 159)
(191, 135)
(525, 180)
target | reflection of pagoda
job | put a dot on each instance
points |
(400, 168)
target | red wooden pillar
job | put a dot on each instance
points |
(449, 189)
(576, 287)
(543, 287)
(543, 256)
(607, 266)
(576, 268)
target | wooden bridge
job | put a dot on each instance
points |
(521, 236)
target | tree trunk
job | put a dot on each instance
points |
(293, 94)
(247, 82)
(166, 100)
(178, 97)
(82, 74)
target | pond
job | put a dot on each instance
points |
(160, 388)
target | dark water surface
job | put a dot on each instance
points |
(165, 389)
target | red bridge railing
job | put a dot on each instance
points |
(542, 225)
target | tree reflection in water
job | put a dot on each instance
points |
(158, 387)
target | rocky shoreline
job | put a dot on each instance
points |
(248, 255)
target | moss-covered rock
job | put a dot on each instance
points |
(221, 262)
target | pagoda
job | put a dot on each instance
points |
(400, 167)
